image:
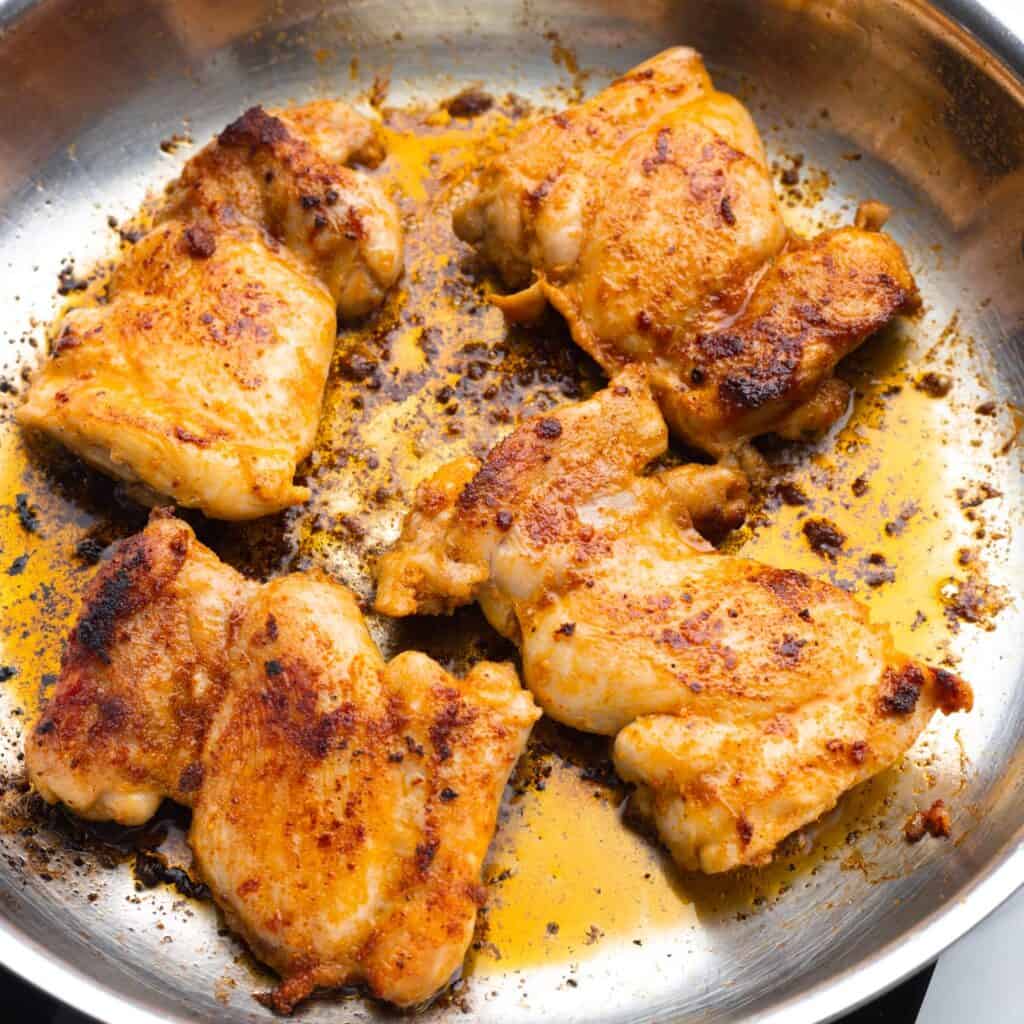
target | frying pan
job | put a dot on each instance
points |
(918, 105)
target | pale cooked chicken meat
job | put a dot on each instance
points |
(646, 216)
(746, 699)
(202, 376)
(341, 806)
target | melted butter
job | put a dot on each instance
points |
(576, 877)
(40, 579)
(435, 374)
(569, 875)
(887, 481)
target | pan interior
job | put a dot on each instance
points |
(587, 920)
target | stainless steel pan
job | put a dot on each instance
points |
(935, 114)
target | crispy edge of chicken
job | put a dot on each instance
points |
(342, 807)
(745, 699)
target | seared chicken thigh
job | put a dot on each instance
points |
(746, 699)
(646, 216)
(202, 376)
(144, 669)
(342, 807)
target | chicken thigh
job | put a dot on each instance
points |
(144, 669)
(342, 807)
(745, 699)
(646, 216)
(201, 378)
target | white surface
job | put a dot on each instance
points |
(980, 979)
(1009, 12)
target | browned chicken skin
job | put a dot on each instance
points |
(342, 807)
(647, 217)
(287, 173)
(745, 699)
(201, 378)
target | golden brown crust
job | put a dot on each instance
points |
(529, 484)
(818, 302)
(139, 679)
(514, 221)
(746, 699)
(347, 805)
(263, 168)
(342, 807)
(647, 217)
(201, 378)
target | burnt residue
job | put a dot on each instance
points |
(113, 600)
(552, 745)
(759, 386)
(470, 102)
(128, 233)
(58, 839)
(824, 537)
(952, 693)
(89, 550)
(972, 599)
(261, 549)
(900, 689)
(935, 822)
(934, 384)
(877, 571)
(27, 515)
(151, 870)
(976, 494)
(895, 527)
(174, 142)
(17, 567)
(789, 492)
(465, 640)
(254, 128)
(68, 281)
